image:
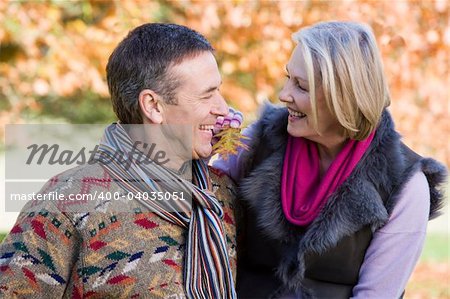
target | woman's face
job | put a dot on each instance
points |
(295, 94)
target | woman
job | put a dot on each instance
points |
(337, 205)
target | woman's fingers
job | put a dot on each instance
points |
(236, 120)
(219, 124)
(233, 119)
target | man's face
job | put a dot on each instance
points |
(199, 101)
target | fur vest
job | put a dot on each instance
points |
(275, 252)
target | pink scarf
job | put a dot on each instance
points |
(303, 192)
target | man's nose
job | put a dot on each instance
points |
(220, 106)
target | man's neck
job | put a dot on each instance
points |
(154, 144)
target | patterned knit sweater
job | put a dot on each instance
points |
(112, 251)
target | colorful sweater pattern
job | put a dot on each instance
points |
(116, 250)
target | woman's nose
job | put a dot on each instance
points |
(285, 95)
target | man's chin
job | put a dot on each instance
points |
(202, 153)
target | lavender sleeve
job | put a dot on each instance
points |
(232, 166)
(396, 247)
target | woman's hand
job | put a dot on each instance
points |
(233, 119)
(227, 137)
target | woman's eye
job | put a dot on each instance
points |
(299, 86)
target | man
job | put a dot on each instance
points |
(159, 74)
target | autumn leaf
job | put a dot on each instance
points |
(230, 139)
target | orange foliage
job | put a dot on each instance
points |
(61, 48)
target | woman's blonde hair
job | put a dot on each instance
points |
(344, 59)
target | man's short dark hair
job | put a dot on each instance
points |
(141, 61)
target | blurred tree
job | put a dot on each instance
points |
(53, 54)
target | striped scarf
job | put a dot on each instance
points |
(207, 272)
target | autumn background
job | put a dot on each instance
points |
(53, 56)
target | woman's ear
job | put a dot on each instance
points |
(150, 107)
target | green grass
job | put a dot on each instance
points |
(436, 248)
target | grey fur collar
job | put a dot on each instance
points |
(362, 200)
